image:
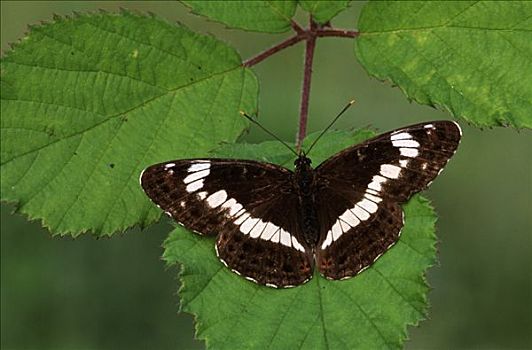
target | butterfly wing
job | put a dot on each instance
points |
(366, 183)
(251, 208)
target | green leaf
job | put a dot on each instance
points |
(323, 11)
(88, 102)
(369, 311)
(472, 58)
(261, 16)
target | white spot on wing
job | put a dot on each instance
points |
(197, 175)
(429, 126)
(373, 198)
(390, 171)
(202, 195)
(257, 230)
(248, 225)
(217, 198)
(397, 132)
(373, 192)
(285, 238)
(360, 213)
(194, 186)
(233, 206)
(376, 182)
(409, 152)
(345, 227)
(199, 166)
(276, 236)
(297, 245)
(350, 218)
(336, 231)
(268, 232)
(327, 241)
(169, 165)
(400, 136)
(368, 206)
(403, 162)
(242, 218)
(405, 143)
(240, 212)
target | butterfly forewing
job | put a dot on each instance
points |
(372, 179)
(249, 205)
(396, 164)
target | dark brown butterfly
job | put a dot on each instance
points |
(272, 225)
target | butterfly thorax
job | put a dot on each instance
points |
(305, 185)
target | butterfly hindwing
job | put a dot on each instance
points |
(249, 205)
(351, 245)
(367, 182)
(276, 255)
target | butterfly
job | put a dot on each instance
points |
(274, 226)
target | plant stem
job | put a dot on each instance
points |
(265, 54)
(296, 27)
(337, 33)
(301, 34)
(305, 90)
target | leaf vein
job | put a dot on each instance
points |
(96, 71)
(143, 104)
(60, 171)
(126, 182)
(86, 182)
(322, 317)
(285, 313)
(366, 316)
(397, 291)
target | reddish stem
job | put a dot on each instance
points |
(265, 54)
(296, 27)
(309, 35)
(337, 33)
(305, 90)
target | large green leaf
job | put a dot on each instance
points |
(88, 102)
(472, 58)
(323, 11)
(369, 311)
(257, 15)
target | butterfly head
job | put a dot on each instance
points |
(302, 161)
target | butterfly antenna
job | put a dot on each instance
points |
(268, 132)
(331, 124)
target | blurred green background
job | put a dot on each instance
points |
(61, 293)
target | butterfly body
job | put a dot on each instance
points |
(305, 185)
(273, 226)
